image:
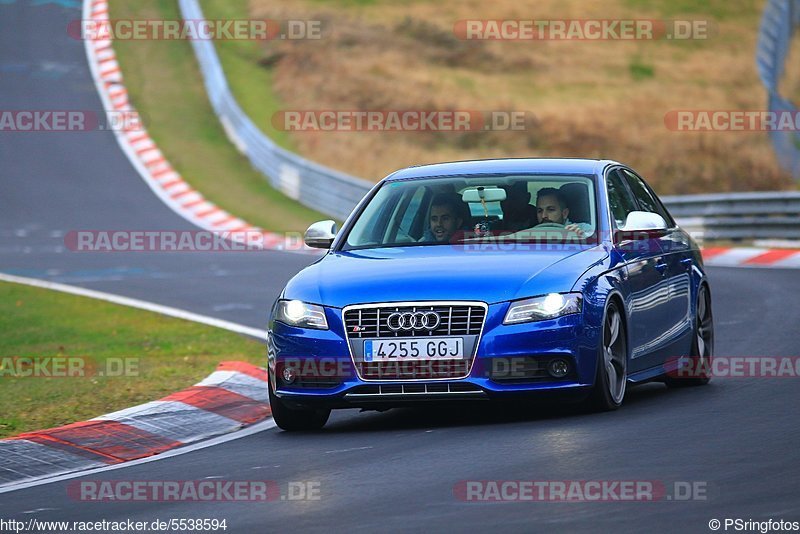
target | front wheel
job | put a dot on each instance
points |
(612, 365)
(296, 419)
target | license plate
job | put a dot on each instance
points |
(433, 348)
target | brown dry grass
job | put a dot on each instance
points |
(585, 98)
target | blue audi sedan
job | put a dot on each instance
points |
(494, 279)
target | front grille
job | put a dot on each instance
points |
(458, 320)
(413, 370)
(463, 320)
(411, 390)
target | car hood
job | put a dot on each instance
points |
(440, 273)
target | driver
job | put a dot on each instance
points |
(551, 207)
(444, 219)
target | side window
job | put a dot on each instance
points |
(619, 199)
(647, 200)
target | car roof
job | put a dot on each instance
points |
(504, 166)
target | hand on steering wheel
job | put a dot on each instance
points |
(577, 229)
(570, 227)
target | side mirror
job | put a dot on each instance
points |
(320, 234)
(642, 221)
(640, 225)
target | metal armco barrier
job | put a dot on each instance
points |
(316, 186)
(772, 215)
(717, 216)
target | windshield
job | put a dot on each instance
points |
(465, 210)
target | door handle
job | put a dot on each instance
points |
(687, 262)
(661, 267)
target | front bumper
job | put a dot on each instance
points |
(510, 362)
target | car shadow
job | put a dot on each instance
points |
(476, 413)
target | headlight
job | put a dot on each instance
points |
(298, 313)
(540, 308)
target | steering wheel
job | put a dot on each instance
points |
(549, 225)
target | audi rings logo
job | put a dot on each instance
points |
(428, 320)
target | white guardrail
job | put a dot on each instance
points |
(739, 216)
(316, 186)
(735, 216)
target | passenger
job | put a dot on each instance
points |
(444, 219)
(518, 213)
(551, 207)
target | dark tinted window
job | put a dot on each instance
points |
(619, 199)
(647, 200)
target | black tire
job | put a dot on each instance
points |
(702, 351)
(294, 419)
(610, 381)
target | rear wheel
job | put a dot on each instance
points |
(702, 345)
(612, 365)
(294, 419)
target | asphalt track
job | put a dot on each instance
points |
(394, 470)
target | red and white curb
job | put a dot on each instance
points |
(231, 398)
(149, 161)
(751, 257)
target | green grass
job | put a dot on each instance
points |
(718, 9)
(167, 354)
(165, 85)
(639, 70)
